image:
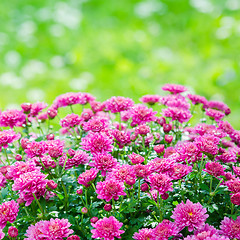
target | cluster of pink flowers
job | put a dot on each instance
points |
(117, 164)
(51, 230)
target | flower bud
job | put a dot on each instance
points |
(168, 138)
(159, 148)
(84, 210)
(165, 196)
(167, 127)
(51, 184)
(94, 219)
(12, 232)
(161, 121)
(80, 191)
(18, 157)
(71, 152)
(108, 207)
(144, 187)
(50, 136)
(26, 107)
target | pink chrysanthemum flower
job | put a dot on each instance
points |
(207, 228)
(180, 171)
(46, 160)
(174, 88)
(97, 143)
(110, 188)
(71, 120)
(177, 101)
(188, 151)
(36, 149)
(161, 165)
(55, 148)
(150, 99)
(164, 230)
(174, 113)
(122, 138)
(233, 185)
(161, 182)
(8, 136)
(19, 168)
(8, 212)
(196, 99)
(226, 127)
(95, 124)
(87, 177)
(104, 162)
(203, 129)
(228, 156)
(97, 106)
(118, 104)
(29, 183)
(80, 157)
(142, 114)
(142, 129)
(136, 158)
(54, 229)
(143, 234)
(191, 215)
(107, 228)
(206, 236)
(235, 198)
(36, 108)
(86, 114)
(121, 172)
(219, 106)
(142, 171)
(236, 171)
(215, 169)
(230, 228)
(12, 118)
(214, 114)
(207, 144)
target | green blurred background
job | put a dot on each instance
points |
(126, 47)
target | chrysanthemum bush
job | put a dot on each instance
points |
(165, 168)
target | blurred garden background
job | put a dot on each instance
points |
(128, 48)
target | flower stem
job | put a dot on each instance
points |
(39, 205)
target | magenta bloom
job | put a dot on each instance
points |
(109, 189)
(174, 88)
(219, 106)
(236, 171)
(164, 230)
(178, 114)
(97, 106)
(142, 171)
(188, 151)
(136, 158)
(226, 127)
(107, 228)
(29, 183)
(142, 114)
(36, 149)
(207, 144)
(214, 114)
(21, 167)
(55, 148)
(12, 118)
(12, 232)
(161, 182)
(36, 108)
(143, 234)
(8, 136)
(150, 99)
(8, 213)
(3, 181)
(180, 171)
(235, 198)
(233, 185)
(196, 99)
(121, 172)
(97, 143)
(55, 229)
(230, 228)
(95, 124)
(118, 104)
(104, 162)
(214, 168)
(87, 177)
(2, 234)
(162, 165)
(71, 120)
(191, 215)
(122, 138)
(175, 101)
